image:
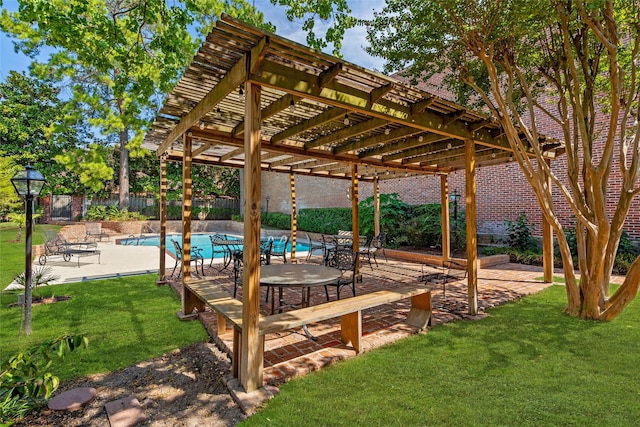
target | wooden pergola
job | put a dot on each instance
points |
(253, 100)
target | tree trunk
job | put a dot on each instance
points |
(124, 170)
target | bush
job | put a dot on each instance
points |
(325, 221)
(277, 220)
(25, 379)
(112, 213)
(393, 213)
(519, 233)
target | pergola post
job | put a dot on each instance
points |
(163, 219)
(355, 221)
(186, 214)
(376, 206)
(472, 249)
(251, 347)
(445, 224)
(294, 217)
(547, 242)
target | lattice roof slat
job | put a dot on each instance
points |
(323, 89)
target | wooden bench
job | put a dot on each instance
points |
(204, 292)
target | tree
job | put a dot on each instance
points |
(30, 110)
(117, 58)
(573, 62)
(9, 200)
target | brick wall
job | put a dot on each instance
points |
(502, 193)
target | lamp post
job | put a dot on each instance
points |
(454, 199)
(28, 183)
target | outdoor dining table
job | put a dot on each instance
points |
(302, 276)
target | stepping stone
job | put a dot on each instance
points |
(125, 412)
(73, 399)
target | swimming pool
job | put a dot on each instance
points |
(201, 241)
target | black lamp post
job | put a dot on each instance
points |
(28, 183)
(454, 199)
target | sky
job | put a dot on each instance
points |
(353, 46)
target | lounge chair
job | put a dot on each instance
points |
(196, 256)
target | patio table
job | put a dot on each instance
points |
(302, 276)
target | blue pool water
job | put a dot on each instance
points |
(201, 241)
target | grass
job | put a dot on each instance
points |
(526, 364)
(127, 320)
(12, 253)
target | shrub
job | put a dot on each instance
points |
(25, 380)
(519, 233)
(277, 220)
(112, 213)
(325, 221)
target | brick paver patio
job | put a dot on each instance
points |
(290, 353)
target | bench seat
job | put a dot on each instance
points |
(204, 292)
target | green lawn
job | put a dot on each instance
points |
(127, 320)
(12, 253)
(527, 364)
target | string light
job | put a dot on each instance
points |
(448, 145)
(346, 119)
(292, 105)
(218, 113)
(201, 125)
(241, 94)
(387, 130)
(420, 138)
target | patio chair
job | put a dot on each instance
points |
(280, 247)
(367, 251)
(314, 246)
(451, 272)
(237, 274)
(196, 256)
(218, 246)
(94, 231)
(345, 260)
(379, 243)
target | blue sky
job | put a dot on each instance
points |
(352, 51)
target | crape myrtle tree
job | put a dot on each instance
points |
(115, 59)
(575, 62)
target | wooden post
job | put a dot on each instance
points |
(186, 214)
(355, 221)
(294, 217)
(163, 219)
(376, 206)
(547, 242)
(472, 249)
(445, 224)
(251, 350)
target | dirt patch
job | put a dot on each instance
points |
(182, 388)
(44, 300)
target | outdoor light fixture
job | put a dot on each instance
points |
(346, 119)
(28, 183)
(454, 199)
